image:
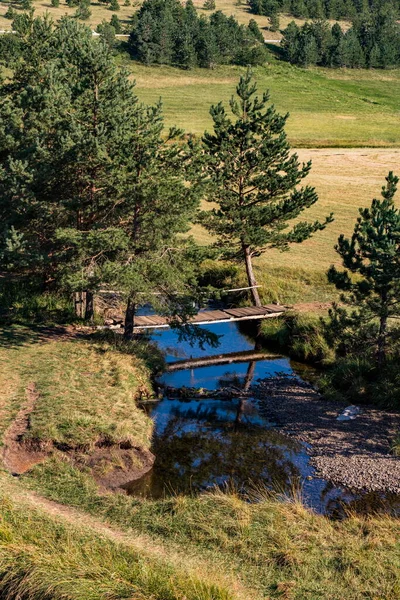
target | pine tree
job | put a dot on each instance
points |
(115, 22)
(372, 255)
(107, 31)
(61, 149)
(353, 51)
(274, 22)
(290, 42)
(83, 12)
(255, 30)
(114, 5)
(253, 179)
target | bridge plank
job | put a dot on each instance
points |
(217, 316)
(210, 315)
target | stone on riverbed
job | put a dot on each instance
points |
(349, 413)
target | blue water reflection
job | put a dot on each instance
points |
(200, 443)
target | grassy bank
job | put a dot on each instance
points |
(211, 547)
(75, 397)
(300, 335)
(280, 549)
(44, 557)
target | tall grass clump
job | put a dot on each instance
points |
(358, 379)
(301, 335)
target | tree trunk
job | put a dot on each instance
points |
(249, 375)
(250, 276)
(381, 353)
(89, 307)
(129, 318)
(79, 302)
(84, 307)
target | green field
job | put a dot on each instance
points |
(328, 108)
(346, 122)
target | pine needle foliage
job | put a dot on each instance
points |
(254, 179)
(371, 281)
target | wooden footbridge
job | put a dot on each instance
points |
(207, 317)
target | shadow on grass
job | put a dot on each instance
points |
(16, 336)
(140, 346)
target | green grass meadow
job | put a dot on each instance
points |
(328, 108)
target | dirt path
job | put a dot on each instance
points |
(143, 544)
(18, 457)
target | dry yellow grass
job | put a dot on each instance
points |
(100, 12)
(345, 180)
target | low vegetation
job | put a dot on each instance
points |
(273, 545)
(45, 557)
(328, 108)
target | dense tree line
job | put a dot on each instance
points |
(92, 189)
(373, 42)
(166, 32)
(322, 9)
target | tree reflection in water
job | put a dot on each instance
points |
(207, 443)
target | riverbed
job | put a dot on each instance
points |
(200, 443)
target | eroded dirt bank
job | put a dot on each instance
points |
(354, 453)
(111, 465)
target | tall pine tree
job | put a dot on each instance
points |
(371, 281)
(253, 179)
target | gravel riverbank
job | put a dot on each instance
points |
(355, 453)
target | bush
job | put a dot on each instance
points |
(10, 14)
(83, 12)
(358, 379)
(115, 22)
(23, 301)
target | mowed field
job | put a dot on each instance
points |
(328, 108)
(345, 179)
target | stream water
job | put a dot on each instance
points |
(201, 443)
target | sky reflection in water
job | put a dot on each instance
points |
(200, 443)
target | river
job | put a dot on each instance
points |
(200, 443)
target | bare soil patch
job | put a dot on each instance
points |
(19, 456)
(354, 453)
(112, 465)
